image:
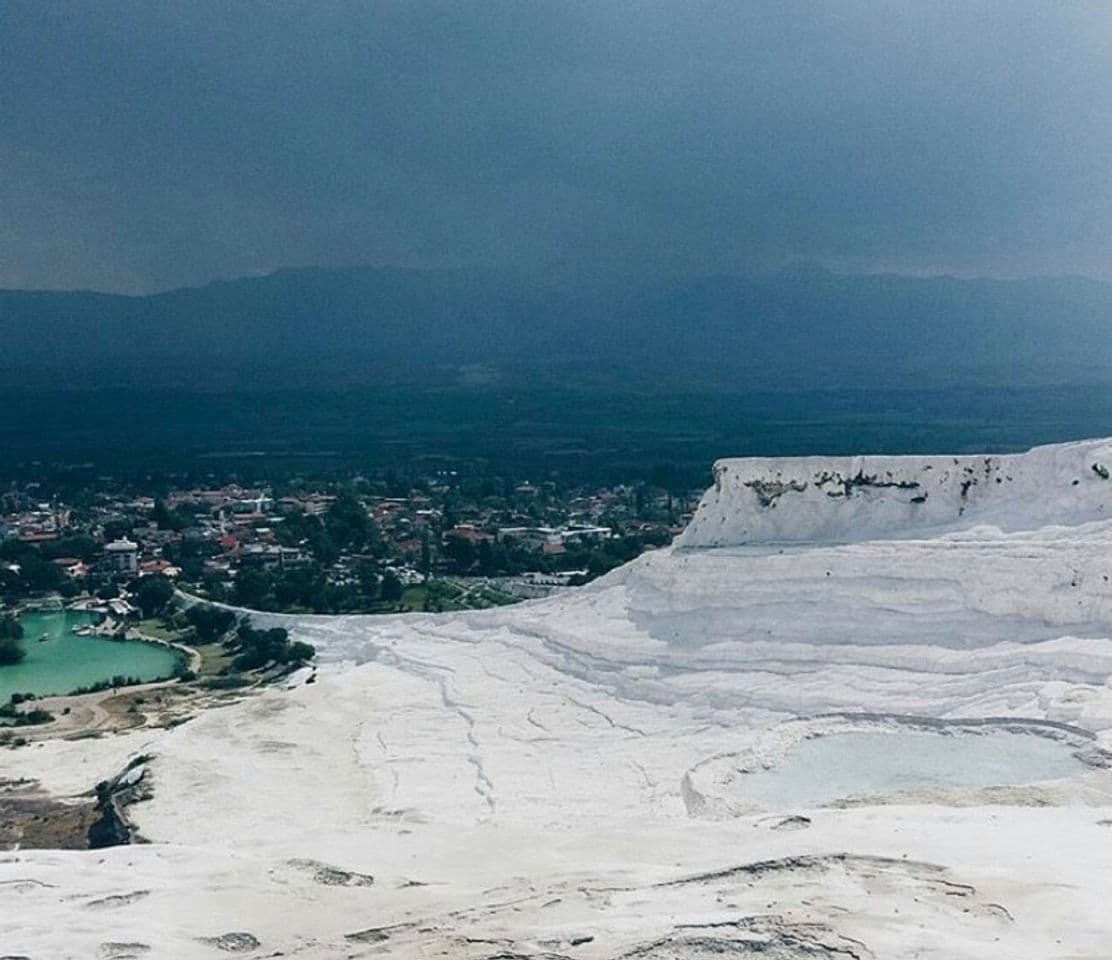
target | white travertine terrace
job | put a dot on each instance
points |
(553, 779)
(840, 499)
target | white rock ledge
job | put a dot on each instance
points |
(849, 499)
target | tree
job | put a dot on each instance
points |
(189, 555)
(166, 519)
(11, 646)
(461, 551)
(252, 588)
(301, 530)
(209, 623)
(298, 586)
(153, 593)
(368, 582)
(257, 648)
(300, 652)
(10, 582)
(348, 524)
(10, 628)
(215, 587)
(449, 514)
(426, 555)
(39, 574)
(493, 559)
(392, 588)
(116, 529)
(11, 652)
(83, 547)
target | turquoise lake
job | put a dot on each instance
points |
(65, 661)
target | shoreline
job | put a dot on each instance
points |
(117, 632)
(155, 703)
(191, 654)
(91, 712)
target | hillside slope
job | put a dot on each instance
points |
(791, 328)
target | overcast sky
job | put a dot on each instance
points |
(148, 145)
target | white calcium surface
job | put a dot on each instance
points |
(546, 780)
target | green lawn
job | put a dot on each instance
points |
(214, 658)
(156, 628)
(448, 595)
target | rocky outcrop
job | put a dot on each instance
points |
(850, 499)
(112, 829)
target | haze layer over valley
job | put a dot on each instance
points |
(588, 776)
(798, 328)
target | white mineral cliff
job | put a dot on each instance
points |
(840, 499)
(559, 779)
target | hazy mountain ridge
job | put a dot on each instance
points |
(794, 327)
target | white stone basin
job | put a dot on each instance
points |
(847, 765)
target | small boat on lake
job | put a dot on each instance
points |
(44, 638)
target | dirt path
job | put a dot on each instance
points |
(109, 711)
(191, 654)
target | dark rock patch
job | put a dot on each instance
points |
(329, 876)
(112, 829)
(794, 822)
(234, 942)
(771, 937)
(118, 900)
(370, 935)
(769, 491)
(112, 950)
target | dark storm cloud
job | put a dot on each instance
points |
(147, 145)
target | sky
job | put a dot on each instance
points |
(145, 145)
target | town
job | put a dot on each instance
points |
(367, 543)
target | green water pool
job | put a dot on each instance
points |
(65, 661)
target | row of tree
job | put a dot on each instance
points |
(255, 649)
(310, 588)
(490, 559)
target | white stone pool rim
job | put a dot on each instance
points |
(710, 787)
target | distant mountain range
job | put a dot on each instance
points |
(796, 328)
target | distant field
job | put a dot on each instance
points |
(589, 435)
